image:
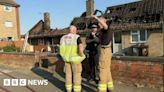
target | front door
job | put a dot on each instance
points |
(117, 42)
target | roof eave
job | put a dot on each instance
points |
(14, 5)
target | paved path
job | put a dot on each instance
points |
(56, 82)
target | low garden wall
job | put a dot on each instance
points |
(138, 71)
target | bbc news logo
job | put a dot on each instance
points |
(24, 82)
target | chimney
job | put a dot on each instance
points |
(89, 7)
(46, 21)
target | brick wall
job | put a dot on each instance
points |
(8, 16)
(16, 43)
(137, 71)
(39, 48)
(155, 42)
(27, 60)
(17, 60)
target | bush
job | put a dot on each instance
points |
(10, 48)
(18, 49)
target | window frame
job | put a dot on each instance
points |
(8, 25)
(10, 8)
(41, 41)
(10, 38)
(139, 36)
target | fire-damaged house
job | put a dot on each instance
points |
(41, 36)
(136, 27)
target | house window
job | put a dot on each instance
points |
(41, 41)
(143, 36)
(118, 8)
(134, 35)
(8, 24)
(9, 38)
(7, 8)
(132, 9)
(109, 10)
(139, 36)
(117, 37)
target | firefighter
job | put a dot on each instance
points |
(105, 38)
(71, 50)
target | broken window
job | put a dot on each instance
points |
(117, 19)
(118, 8)
(41, 41)
(81, 26)
(132, 9)
(157, 17)
(135, 19)
(109, 11)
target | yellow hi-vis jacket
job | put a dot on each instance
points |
(69, 49)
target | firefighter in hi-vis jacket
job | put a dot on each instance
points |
(71, 51)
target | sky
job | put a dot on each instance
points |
(61, 12)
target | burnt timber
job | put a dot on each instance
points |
(145, 14)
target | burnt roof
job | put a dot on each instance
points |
(37, 28)
(38, 31)
(55, 32)
(142, 11)
(147, 13)
(9, 2)
(136, 8)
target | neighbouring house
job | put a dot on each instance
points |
(9, 21)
